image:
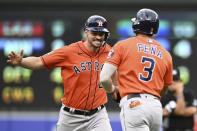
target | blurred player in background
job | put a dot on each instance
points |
(81, 62)
(178, 106)
(144, 73)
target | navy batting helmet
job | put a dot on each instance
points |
(97, 23)
(145, 21)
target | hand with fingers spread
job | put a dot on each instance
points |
(14, 58)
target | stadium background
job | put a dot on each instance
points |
(30, 100)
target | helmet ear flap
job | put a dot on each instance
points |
(107, 35)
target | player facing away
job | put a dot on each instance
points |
(144, 73)
(81, 62)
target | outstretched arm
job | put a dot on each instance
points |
(180, 101)
(190, 111)
(107, 75)
(33, 63)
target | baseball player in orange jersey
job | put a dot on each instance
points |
(81, 62)
(144, 74)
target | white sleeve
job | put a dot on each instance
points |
(105, 77)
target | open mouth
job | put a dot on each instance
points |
(98, 41)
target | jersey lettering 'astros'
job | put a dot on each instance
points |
(80, 71)
(144, 66)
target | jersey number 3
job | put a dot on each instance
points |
(149, 69)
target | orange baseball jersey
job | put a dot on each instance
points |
(80, 71)
(144, 66)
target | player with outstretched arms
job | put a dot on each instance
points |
(81, 62)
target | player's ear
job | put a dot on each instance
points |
(85, 32)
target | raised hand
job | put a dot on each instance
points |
(14, 58)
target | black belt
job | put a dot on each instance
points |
(137, 95)
(80, 112)
(132, 96)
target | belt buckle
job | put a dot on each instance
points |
(85, 113)
(91, 112)
(71, 110)
(98, 108)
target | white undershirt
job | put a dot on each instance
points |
(105, 77)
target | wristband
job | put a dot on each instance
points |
(179, 96)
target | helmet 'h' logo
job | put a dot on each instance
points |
(100, 23)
